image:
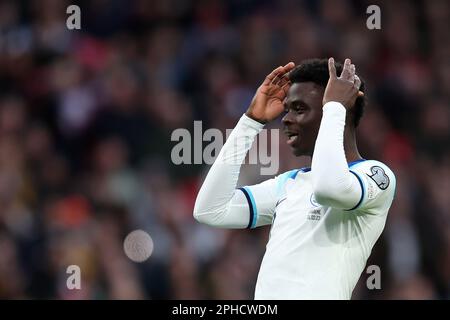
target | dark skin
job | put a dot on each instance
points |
(303, 104)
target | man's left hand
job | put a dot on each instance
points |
(345, 88)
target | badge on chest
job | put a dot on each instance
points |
(315, 210)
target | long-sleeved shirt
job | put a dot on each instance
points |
(325, 219)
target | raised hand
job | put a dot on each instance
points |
(267, 104)
(345, 88)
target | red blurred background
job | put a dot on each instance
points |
(86, 118)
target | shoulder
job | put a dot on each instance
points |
(282, 179)
(377, 180)
(291, 174)
(377, 171)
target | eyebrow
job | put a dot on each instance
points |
(300, 101)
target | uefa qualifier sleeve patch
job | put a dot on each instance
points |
(380, 177)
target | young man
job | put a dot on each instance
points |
(325, 219)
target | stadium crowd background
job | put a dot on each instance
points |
(86, 118)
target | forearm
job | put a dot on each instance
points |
(218, 202)
(334, 185)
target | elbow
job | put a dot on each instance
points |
(201, 218)
(325, 194)
(198, 214)
(209, 217)
(206, 212)
(200, 210)
(205, 218)
(203, 215)
(322, 197)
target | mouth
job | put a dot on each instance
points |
(292, 138)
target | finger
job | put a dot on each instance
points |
(282, 69)
(352, 73)
(360, 94)
(282, 80)
(286, 87)
(282, 76)
(357, 82)
(289, 66)
(286, 69)
(279, 79)
(346, 70)
(275, 80)
(274, 73)
(332, 68)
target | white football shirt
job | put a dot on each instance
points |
(317, 247)
(313, 246)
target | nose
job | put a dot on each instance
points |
(287, 118)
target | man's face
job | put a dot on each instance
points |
(303, 106)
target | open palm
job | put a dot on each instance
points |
(267, 104)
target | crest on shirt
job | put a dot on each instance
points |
(313, 200)
(315, 213)
(380, 177)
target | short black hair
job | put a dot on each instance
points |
(316, 70)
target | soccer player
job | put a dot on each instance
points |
(325, 219)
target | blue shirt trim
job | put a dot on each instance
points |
(351, 164)
(283, 178)
(252, 206)
(361, 183)
(293, 174)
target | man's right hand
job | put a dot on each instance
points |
(267, 104)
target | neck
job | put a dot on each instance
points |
(350, 147)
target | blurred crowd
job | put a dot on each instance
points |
(86, 118)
